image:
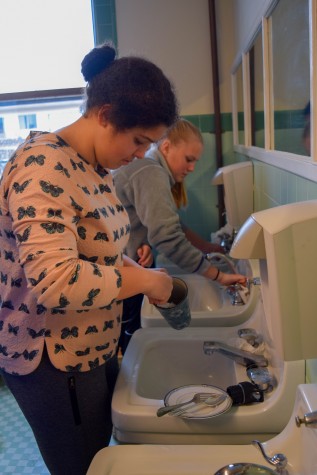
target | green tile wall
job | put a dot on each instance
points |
(201, 213)
(104, 19)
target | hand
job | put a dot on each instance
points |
(161, 285)
(230, 279)
(145, 255)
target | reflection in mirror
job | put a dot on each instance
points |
(240, 108)
(291, 76)
(257, 92)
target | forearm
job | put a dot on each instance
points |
(128, 262)
(200, 243)
(157, 285)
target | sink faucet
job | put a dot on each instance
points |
(212, 256)
(242, 357)
(235, 292)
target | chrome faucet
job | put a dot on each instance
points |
(212, 256)
(227, 240)
(234, 291)
(278, 460)
(250, 336)
(242, 357)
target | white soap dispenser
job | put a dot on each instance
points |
(284, 239)
(237, 181)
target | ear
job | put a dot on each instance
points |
(104, 115)
(164, 147)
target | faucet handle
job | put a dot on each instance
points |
(253, 281)
(251, 336)
(309, 419)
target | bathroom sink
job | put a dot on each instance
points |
(210, 303)
(298, 444)
(168, 366)
(159, 360)
(169, 459)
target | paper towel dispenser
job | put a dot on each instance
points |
(237, 181)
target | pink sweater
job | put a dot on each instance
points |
(62, 234)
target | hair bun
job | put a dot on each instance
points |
(97, 60)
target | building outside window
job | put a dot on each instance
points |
(41, 85)
(27, 121)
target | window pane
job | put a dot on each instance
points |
(45, 42)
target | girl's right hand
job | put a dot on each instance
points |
(160, 286)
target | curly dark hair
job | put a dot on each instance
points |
(139, 93)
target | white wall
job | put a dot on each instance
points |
(175, 35)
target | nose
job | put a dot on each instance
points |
(140, 151)
(139, 155)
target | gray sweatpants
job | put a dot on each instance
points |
(69, 413)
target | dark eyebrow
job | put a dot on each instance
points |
(147, 138)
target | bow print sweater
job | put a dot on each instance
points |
(62, 234)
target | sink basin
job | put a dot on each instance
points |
(297, 444)
(164, 370)
(210, 303)
(161, 359)
(169, 459)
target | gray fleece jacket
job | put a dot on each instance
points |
(144, 188)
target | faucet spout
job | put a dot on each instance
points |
(242, 357)
(217, 256)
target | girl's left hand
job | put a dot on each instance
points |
(145, 255)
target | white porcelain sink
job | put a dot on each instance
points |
(298, 444)
(161, 359)
(209, 302)
(176, 362)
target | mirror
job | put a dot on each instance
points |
(240, 108)
(257, 92)
(291, 76)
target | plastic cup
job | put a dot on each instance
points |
(176, 311)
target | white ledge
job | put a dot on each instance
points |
(298, 164)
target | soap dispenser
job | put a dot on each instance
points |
(284, 239)
(237, 181)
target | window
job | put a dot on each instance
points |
(27, 121)
(41, 84)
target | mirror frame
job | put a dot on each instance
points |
(298, 164)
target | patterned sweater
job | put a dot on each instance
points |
(62, 234)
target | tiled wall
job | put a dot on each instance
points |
(104, 18)
(201, 213)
